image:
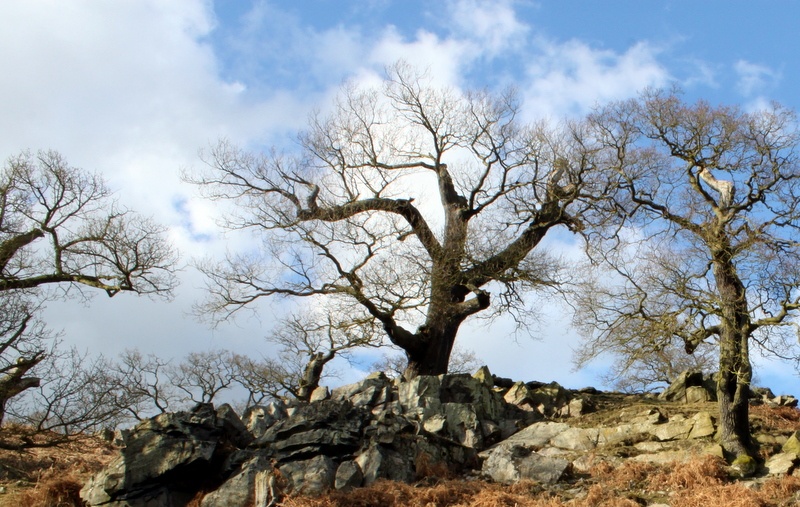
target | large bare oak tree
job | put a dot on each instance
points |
(422, 205)
(701, 237)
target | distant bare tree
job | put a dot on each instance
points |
(24, 342)
(203, 375)
(413, 202)
(307, 343)
(645, 368)
(75, 397)
(141, 384)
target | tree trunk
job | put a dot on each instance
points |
(432, 356)
(312, 374)
(735, 369)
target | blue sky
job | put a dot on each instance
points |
(134, 88)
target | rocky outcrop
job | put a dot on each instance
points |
(164, 456)
(379, 428)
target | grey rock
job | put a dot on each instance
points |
(319, 394)
(520, 395)
(674, 429)
(348, 476)
(782, 464)
(258, 418)
(680, 388)
(538, 434)
(311, 477)
(510, 462)
(232, 426)
(697, 394)
(380, 462)
(327, 427)
(373, 391)
(239, 490)
(577, 439)
(792, 444)
(702, 426)
(163, 458)
(484, 376)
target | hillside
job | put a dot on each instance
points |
(633, 470)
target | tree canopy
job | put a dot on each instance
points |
(417, 206)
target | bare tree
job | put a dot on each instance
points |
(74, 397)
(141, 385)
(307, 342)
(61, 229)
(22, 347)
(412, 201)
(645, 368)
(700, 238)
(60, 225)
(203, 375)
(262, 378)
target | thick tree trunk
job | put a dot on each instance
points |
(432, 356)
(735, 369)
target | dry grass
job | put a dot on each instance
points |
(698, 473)
(52, 493)
(776, 418)
(700, 482)
(50, 476)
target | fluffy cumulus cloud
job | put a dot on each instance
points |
(572, 77)
(492, 26)
(129, 88)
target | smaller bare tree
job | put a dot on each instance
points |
(141, 385)
(203, 375)
(75, 397)
(22, 348)
(63, 234)
(307, 343)
(650, 369)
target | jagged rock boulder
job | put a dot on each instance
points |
(240, 488)
(691, 387)
(312, 476)
(329, 427)
(348, 476)
(782, 463)
(547, 400)
(259, 417)
(462, 408)
(510, 462)
(164, 457)
(374, 392)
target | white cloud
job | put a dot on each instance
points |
(492, 26)
(445, 58)
(571, 78)
(753, 78)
